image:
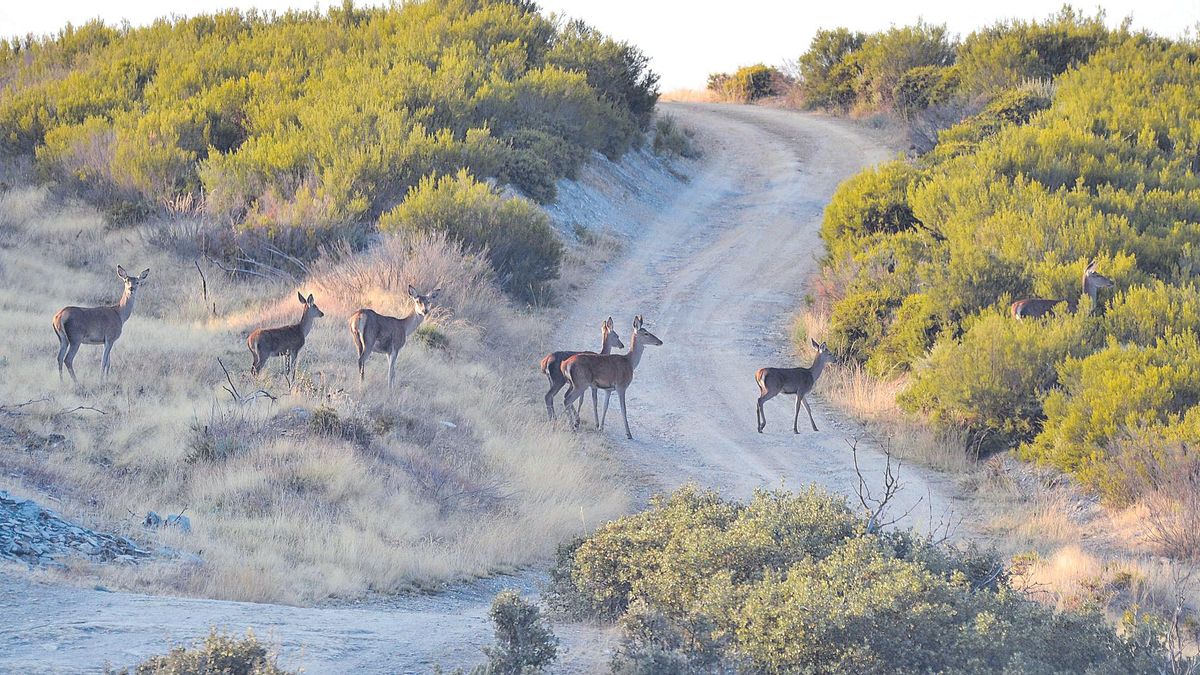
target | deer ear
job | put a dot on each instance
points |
(412, 291)
(824, 348)
(310, 299)
(815, 344)
(436, 292)
(609, 322)
(1091, 265)
(301, 296)
(122, 273)
(145, 273)
(637, 322)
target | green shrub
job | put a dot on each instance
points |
(431, 336)
(515, 234)
(993, 380)
(746, 84)
(828, 73)
(910, 335)
(523, 643)
(792, 583)
(858, 322)
(217, 654)
(924, 86)
(872, 202)
(1015, 106)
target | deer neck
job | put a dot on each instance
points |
(125, 305)
(306, 321)
(635, 351)
(413, 323)
(817, 366)
(605, 347)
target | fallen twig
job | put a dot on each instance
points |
(12, 409)
(78, 408)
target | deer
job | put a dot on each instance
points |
(77, 326)
(552, 364)
(798, 381)
(286, 340)
(1036, 308)
(607, 372)
(375, 332)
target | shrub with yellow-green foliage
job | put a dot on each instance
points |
(1013, 203)
(793, 583)
(515, 234)
(317, 120)
(217, 654)
(746, 84)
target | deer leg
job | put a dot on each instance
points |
(573, 394)
(796, 419)
(70, 361)
(104, 360)
(596, 406)
(63, 345)
(392, 366)
(810, 417)
(607, 398)
(762, 415)
(554, 389)
(624, 415)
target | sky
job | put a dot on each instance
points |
(685, 39)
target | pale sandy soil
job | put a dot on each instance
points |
(718, 271)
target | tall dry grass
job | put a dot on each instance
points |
(334, 488)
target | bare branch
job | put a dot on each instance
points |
(78, 408)
(876, 507)
(233, 390)
(13, 409)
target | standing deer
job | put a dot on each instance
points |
(377, 332)
(286, 340)
(1036, 308)
(95, 325)
(798, 381)
(552, 367)
(606, 371)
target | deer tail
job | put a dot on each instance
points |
(545, 363)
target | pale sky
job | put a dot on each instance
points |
(685, 39)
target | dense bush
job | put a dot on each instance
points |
(523, 643)
(1013, 203)
(218, 654)
(792, 583)
(748, 83)
(515, 234)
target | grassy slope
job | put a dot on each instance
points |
(290, 512)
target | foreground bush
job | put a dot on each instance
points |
(217, 654)
(793, 583)
(515, 234)
(523, 643)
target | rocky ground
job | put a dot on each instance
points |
(39, 537)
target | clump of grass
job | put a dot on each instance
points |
(326, 421)
(430, 336)
(672, 138)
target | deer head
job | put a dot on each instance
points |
(639, 331)
(311, 311)
(823, 354)
(1094, 281)
(611, 339)
(423, 303)
(132, 283)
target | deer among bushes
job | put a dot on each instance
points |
(77, 326)
(1036, 308)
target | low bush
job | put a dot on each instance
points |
(793, 583)
(872, 202)
(217, 654)
(672, 138)
(746, 84)
(523, 642)
(515, 234)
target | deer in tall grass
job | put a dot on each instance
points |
(375, 332)
(286, 340)
(552, 368)
(77, 326)
(798, 381)
(1036, 308)
(607, 372)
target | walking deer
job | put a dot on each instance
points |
(606, 371)
(1036, 308)
(798, 381)
(552, 367)
(77, 326)
(375, 332)
(287, 340)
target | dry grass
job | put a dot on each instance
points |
(452, 475)
(690, 96)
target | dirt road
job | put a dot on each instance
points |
(717, 273)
